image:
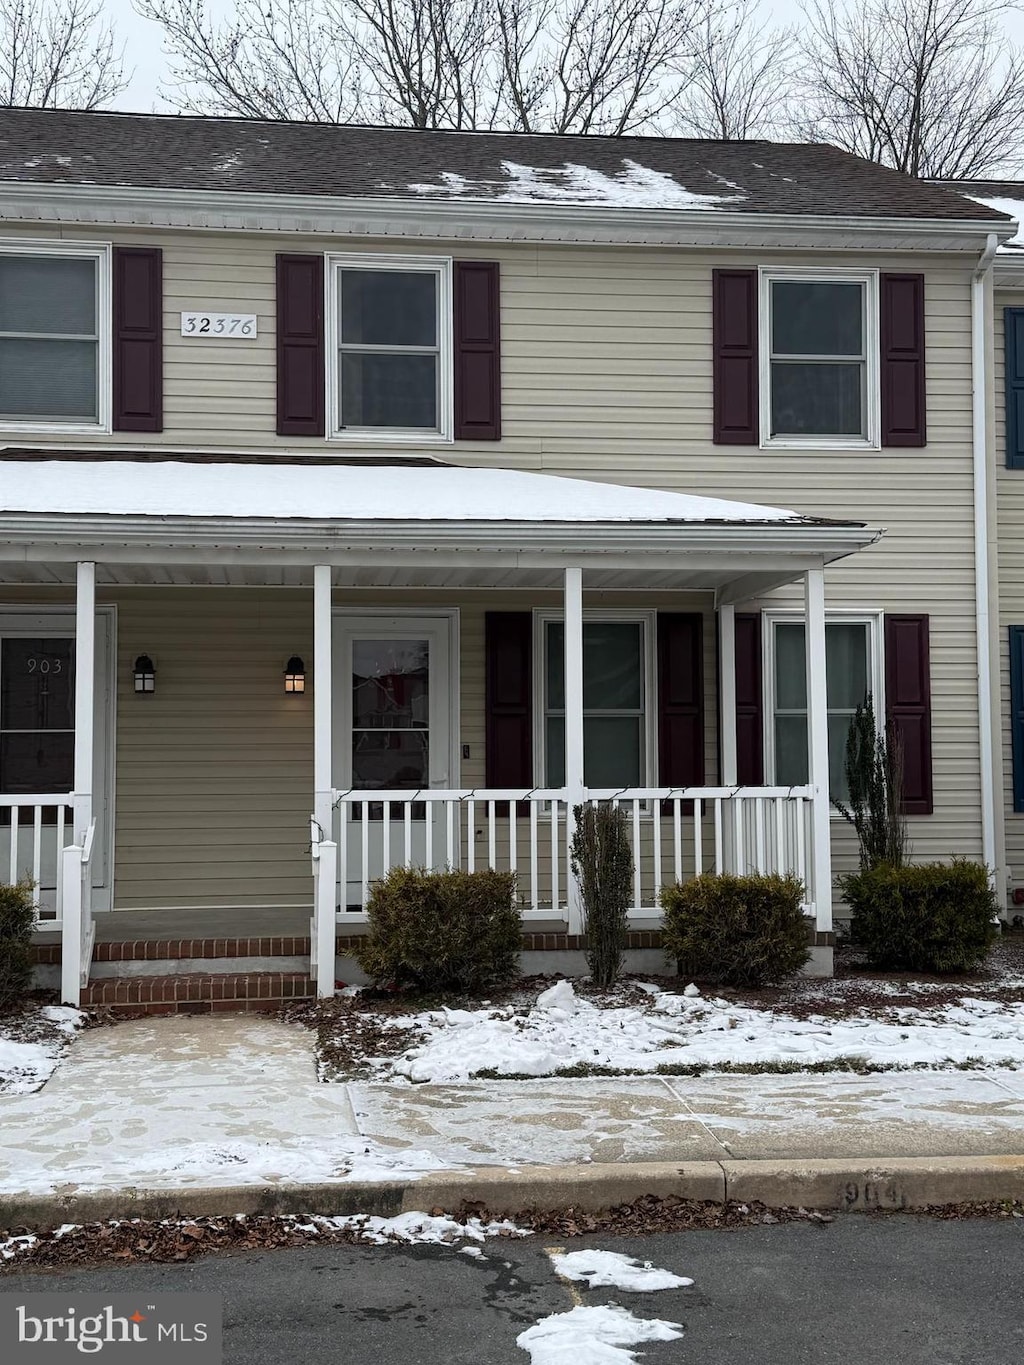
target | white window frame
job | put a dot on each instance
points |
(441, 267)
(871, 440)
(101, 254)
(623, 616)
(872, 618)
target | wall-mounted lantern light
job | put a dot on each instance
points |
(295, 675)
(145, 674)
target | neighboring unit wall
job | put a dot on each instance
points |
(607, 374)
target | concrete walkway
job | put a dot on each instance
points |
(180, 1103)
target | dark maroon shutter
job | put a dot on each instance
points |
(908, 706)
(301, 360)
(138, 371)
(508, 647)
(903, 366)
(680, 699)
(477, 351)
(735, 357)
(749, 701)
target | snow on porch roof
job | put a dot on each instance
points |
(351, 492)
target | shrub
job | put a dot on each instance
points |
(442, 931)
(602, 861)
(874, 777)
(739, 931)
(17, 920)
(937, 917)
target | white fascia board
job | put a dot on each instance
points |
(481, 220)
(125, 539)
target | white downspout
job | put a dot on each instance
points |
(979, 340)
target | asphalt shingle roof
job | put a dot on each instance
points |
(254, 157)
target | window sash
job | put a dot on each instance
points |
(867, 360)
(440, 351)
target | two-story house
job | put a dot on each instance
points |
(379, 495)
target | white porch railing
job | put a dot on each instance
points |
(34, 830)
(78, 927)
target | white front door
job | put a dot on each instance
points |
(393, 732)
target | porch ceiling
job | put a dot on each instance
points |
(232, 523)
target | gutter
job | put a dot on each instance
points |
(982, 582)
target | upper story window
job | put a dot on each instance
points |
(819, 380)
(391, 346)
(53, 337)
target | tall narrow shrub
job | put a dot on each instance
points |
(17, 921)
(874, 776)
(602, 861)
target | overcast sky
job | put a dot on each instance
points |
(144, 55)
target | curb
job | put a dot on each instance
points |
(852, 1185)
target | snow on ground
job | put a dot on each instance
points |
(598, 1335)
(679, 1031)
(613, 1270)
(32, 1043)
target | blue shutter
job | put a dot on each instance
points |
(1017, 713)
(1014, 386)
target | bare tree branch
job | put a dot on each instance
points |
(58, 54)
(932, 87)
(738, 81)
(581, 66)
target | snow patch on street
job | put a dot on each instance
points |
(613, 1270)
(599, 1335)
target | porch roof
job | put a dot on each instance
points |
(152, 519)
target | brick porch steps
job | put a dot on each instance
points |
(185, 949)
(199, 993)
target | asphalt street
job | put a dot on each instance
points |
(855, 1292)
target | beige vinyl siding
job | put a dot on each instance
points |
(1010, 515)
(606, 374)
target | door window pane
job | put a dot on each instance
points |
(382, 759)
(37, 740)
(390, 713)
(613, 703)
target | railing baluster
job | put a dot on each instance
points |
(739, 849)
(677, 836)
(759, 832)
(637, 890)
(37, 844)
(59, 898)
(492, 837)
(780, 836)
(385, 838)
(534, 857)
(801, 868)
(450, 808)
(364, 871)
(656, 812)
(429, 811)
(554, 853)
(718, 834)
(15, 810)
(408, 833)
(471, 835)
(698, 838)
(513, 851)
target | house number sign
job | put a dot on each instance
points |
(219, 325)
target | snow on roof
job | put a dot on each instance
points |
(182, 488)
(1015, 208)
(635, 186)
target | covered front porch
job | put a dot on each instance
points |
(369, 565)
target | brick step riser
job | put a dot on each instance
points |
(200, 994)
(133, 968)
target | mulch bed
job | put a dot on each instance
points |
(142, 1240)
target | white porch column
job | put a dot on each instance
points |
(727, 693)
(817, 746)
(324, 926)
(573, 597)
(85, 691)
